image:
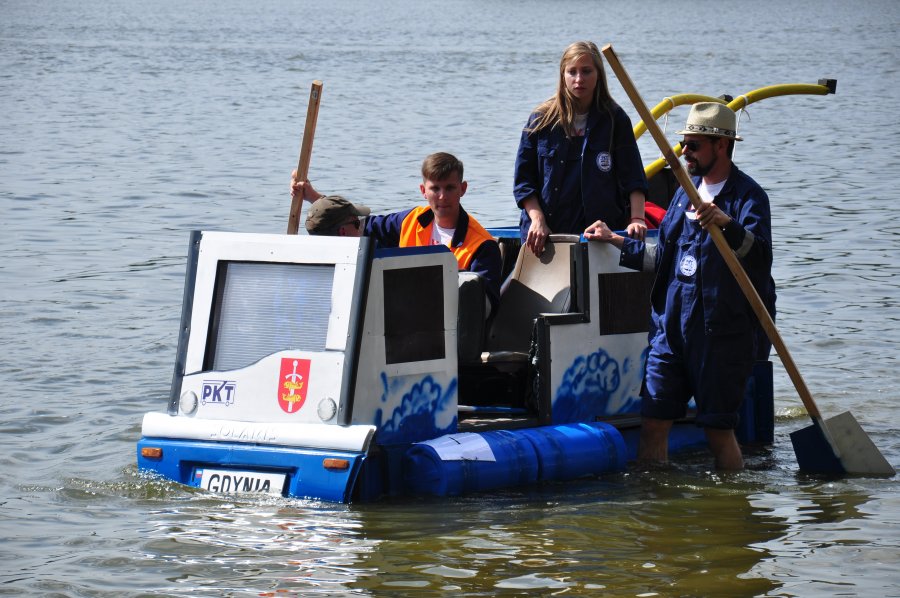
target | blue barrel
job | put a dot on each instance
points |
(570, 451)
(515, 464)
(519, 457)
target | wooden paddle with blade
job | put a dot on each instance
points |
(837, 445)
(309, 130)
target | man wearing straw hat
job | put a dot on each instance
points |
(704, 335)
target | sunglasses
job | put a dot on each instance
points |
(692, 145)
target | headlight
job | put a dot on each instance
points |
(327, 408)
(188, 403)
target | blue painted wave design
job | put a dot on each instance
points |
(419, 413)
(590, 385)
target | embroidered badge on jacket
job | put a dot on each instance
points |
(688, 265)
(604, 161)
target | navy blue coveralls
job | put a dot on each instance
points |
(582, 179)
(704, 332)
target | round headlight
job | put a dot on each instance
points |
(327, 408)
(188, 403)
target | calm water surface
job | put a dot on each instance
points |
(126, 125)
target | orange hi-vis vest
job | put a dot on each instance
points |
(469, 236)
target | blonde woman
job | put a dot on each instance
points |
(578, 161)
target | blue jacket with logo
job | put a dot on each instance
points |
(583, 179)
(725, 308)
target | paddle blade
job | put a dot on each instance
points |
(814, 454)
(853, 453)
(859, 455)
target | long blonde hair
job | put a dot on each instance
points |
(559, 109)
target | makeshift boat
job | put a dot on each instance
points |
(326, 368)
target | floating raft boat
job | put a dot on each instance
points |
(322, 367)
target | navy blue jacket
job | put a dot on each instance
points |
(725, 308)
(606, 169)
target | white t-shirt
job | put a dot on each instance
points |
(580, 124)
(707, 193)
(441, 236)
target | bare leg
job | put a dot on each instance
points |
(726, 449)
(654, 441)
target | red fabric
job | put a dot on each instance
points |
(654, 214)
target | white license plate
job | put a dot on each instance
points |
(225, 481)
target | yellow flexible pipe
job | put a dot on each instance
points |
(824, 87)
(671, 102)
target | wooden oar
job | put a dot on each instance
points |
(837, 446)
(312, 114)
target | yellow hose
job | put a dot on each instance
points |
(741, 101)
(786, 89)
(671, 102)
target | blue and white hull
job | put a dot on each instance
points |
(323, 368)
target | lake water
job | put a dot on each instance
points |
(127, 124)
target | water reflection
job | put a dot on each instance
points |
(826, 524)
(678, 532)
(615, 534)
(268, 545)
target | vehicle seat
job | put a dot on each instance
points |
(470, 319)
(536, 285)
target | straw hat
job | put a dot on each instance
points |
(713, 120)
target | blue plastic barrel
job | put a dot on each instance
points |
(521, 457)
(570, 451)
(757, 412)
(515, 464)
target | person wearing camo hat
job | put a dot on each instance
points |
(443, 221)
